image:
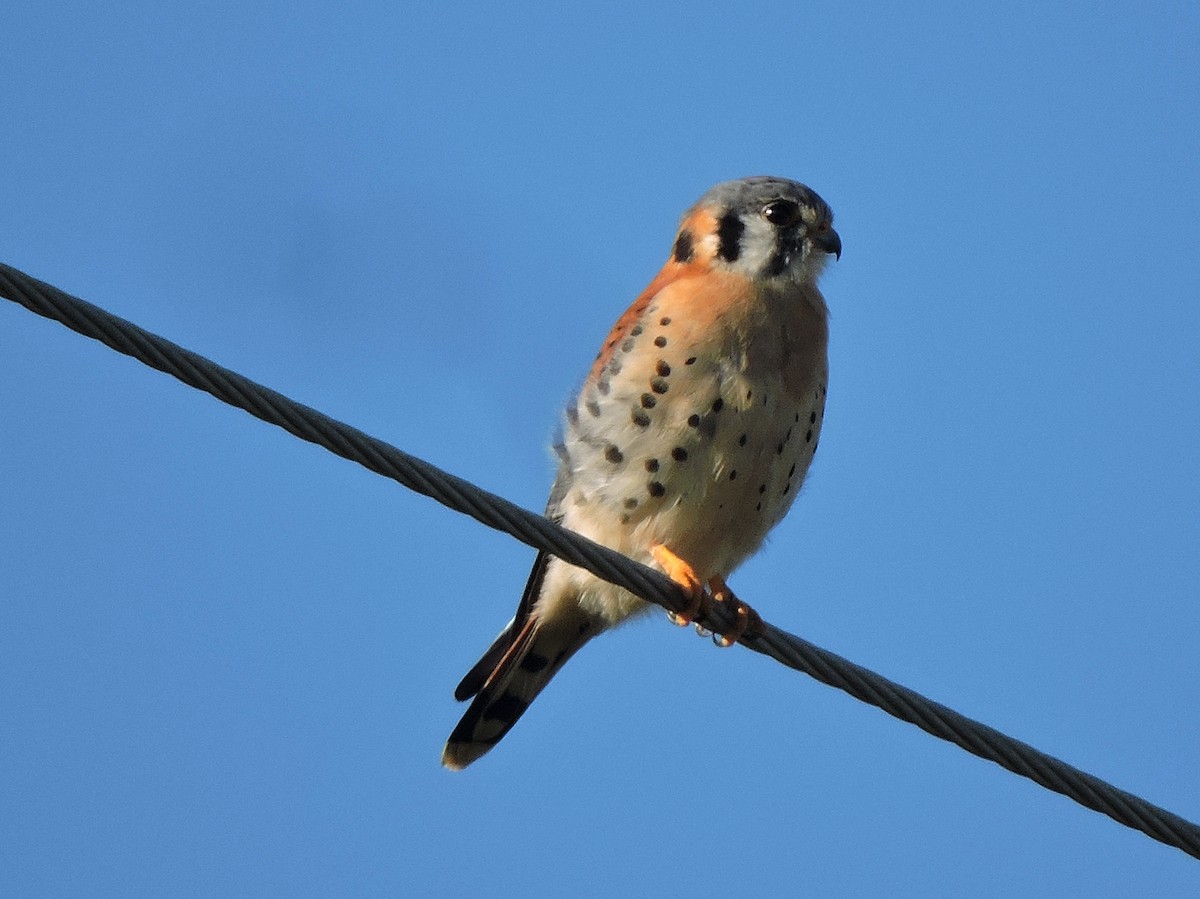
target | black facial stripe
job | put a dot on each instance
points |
(729, 236)
(683, 247)
(777, 263)
(787, 247)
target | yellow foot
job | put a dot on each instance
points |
(685, 576)
(748, 621)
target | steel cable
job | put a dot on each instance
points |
(541, 533)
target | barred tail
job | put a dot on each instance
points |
(533, 656)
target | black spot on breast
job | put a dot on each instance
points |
(792, 470)
(762, 488)
(614, 455)
(729, 236)
(808, 436)
(635, 331)
(652, 465)
(679, 454)
(758, 508)
(812, 418)
(659, 385)
(614, 366)
(593, 408)
(640, 418)
(603, 386)
(691, 360)
(787, 488)
(683, 249)
(573, 414)
(656, 488)
(662, 368)
(627, 344)
(742, 440)
(665, 320)
(649, 401)
(660, 342)
(693, 420)
(718, 404)
(733, 475)
(631, 503)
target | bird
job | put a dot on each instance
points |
(686, 443)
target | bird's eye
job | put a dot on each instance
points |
(782, 213)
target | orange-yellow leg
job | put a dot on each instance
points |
(748, 621)
(685, 576)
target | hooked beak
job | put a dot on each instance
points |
(828, 241)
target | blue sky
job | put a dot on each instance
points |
(227, 657)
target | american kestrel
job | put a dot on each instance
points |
(688, 440)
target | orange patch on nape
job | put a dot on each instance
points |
(621, 331)
(700, 223)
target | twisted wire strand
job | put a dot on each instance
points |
(541, 533)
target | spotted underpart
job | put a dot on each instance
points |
(693, 431)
